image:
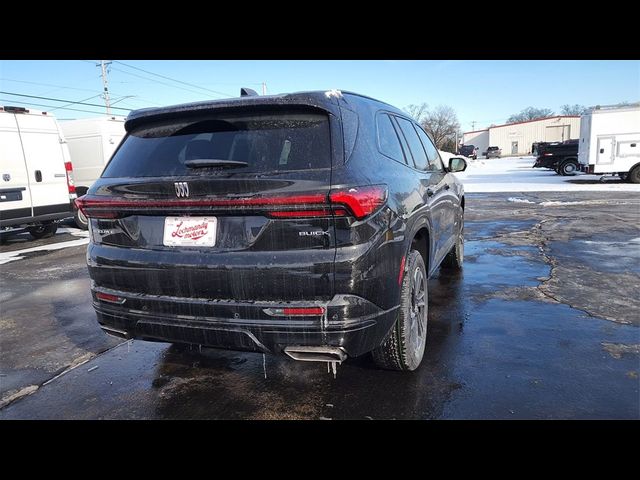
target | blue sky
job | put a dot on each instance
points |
(482, 91)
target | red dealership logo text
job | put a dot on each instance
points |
(191, 232)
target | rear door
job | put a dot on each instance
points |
(445, 184)
(45, 160)
(15, 194)
(229, 205)
(435, 189)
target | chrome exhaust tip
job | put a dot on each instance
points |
(316, 353)
(115, 332)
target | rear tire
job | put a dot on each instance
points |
(81, 221)
(569, 167)
(404, 348)
(45, 230)
(634, 175)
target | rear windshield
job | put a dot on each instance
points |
(267, 142)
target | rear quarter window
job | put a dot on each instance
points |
(388, 141)
(266, 141)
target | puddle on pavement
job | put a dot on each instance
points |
(521, 359)
(513, 266)
(488, 229)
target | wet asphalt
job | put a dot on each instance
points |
(542, 323)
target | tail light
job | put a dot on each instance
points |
(295, 311)
(359, 202)
(70, 183)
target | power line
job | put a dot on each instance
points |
(157, 81)
(59, 100)
(48, 85)
(48, 106)
(74, 103)
(173, 79)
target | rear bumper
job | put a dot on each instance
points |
(350, 322)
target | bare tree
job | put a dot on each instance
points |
(418, 112)
(442, 124)
(575, 109)
(530, 113)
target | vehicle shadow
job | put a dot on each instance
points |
(207, 383)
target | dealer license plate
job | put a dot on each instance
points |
(189, 231)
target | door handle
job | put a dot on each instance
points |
(38, 176)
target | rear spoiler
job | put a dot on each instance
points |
(314, 100)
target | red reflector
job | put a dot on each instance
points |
(361, 201)
(68, 166)
(107, 297)
(401, 274)
(303, 311)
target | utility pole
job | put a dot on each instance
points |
(105, 84)
(264, 88)
(473, 125)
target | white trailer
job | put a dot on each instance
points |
(36, 175)
(610, 142)
(91, 143)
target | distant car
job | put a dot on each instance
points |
(492, 152)
(470, 151)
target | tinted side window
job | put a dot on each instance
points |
(435, 163)
(388, 139)
(419, 156)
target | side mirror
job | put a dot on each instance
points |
(457, 164)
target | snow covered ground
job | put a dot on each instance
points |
(514, 174)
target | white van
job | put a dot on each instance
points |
(36, 175)
(91, 143)
(610, 142)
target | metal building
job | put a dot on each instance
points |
(478, 138)
(517, 138)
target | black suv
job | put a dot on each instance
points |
(470, 151)
(304, 224)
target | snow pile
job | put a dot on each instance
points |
(514, 174)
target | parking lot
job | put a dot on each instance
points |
(541, 324)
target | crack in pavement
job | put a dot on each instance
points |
(30, 389)
(536, 236)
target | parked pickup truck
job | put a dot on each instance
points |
(492, 152)
(469, 151)
(559, 156)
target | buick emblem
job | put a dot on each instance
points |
(182, 189)
(6, 177)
